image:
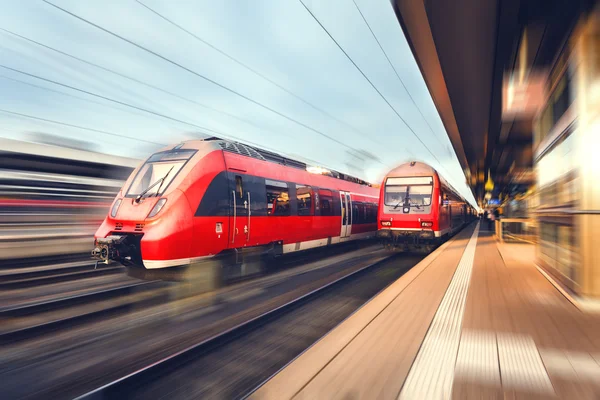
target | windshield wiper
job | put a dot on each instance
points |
(406, 200)
(160, 180)
(163, 180)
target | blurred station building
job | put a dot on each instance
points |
(53, 196)
(517, 84)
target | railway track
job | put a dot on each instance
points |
(212, 365)
(13, 278)
(21, 321)
(102, 340)
(37, 317)
(44, 261)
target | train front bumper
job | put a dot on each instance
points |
(124, 249)
(405, 235)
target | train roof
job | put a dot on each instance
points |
(269, 156)
(413, 168)
(418, 168)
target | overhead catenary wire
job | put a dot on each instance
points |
(108, 99)
(168, 60)
(225, 135)
(79, 127)
(109, 70)
(397, 74)
(70, 95)
(372, 84)
(254, 71)
(395, 71)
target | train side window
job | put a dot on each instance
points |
(326, 200)
(304, 199)
(337, 204)
(278, 199)
(355, 212)
(239, 188)
(363, 213)
(372, 213)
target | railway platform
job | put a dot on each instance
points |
(475, 319)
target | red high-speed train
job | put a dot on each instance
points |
(418, 209)
(213, 197)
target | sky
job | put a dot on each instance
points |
(139, 75)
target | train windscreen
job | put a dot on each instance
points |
(157, 173)
(415, 191)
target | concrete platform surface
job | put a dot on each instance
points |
(474, 320)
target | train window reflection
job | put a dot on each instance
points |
(239, 189)
(326, 202)
(418, 195)
(278, 199)
(150, 174)
(173, 155)
(304, 198)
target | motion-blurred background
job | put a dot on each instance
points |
(54, 192)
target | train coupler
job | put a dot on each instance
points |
(108, 249)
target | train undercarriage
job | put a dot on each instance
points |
(423, 241)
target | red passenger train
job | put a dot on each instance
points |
(213, 197)
(418, 209)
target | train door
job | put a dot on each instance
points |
(346, 203)
(239, 218)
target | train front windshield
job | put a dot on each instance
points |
(416, 191)
(158, 172)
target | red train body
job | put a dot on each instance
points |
(223, 198)
(418, 209)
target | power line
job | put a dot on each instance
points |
(370, 82)
(205, 78)
(226, 135)
(395, 71)
(108, 99)
(397, 75)
(364, 75)
(69, 95)
(363, 134)
(79, 127)
(131, 78)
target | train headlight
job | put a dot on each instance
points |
(115, 208)
(406, 210)
(426, 224)
(386, 223)
(157, 207)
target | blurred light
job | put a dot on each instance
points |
(318, 170)
(489, 184)
(157, 207)
(115, 208)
